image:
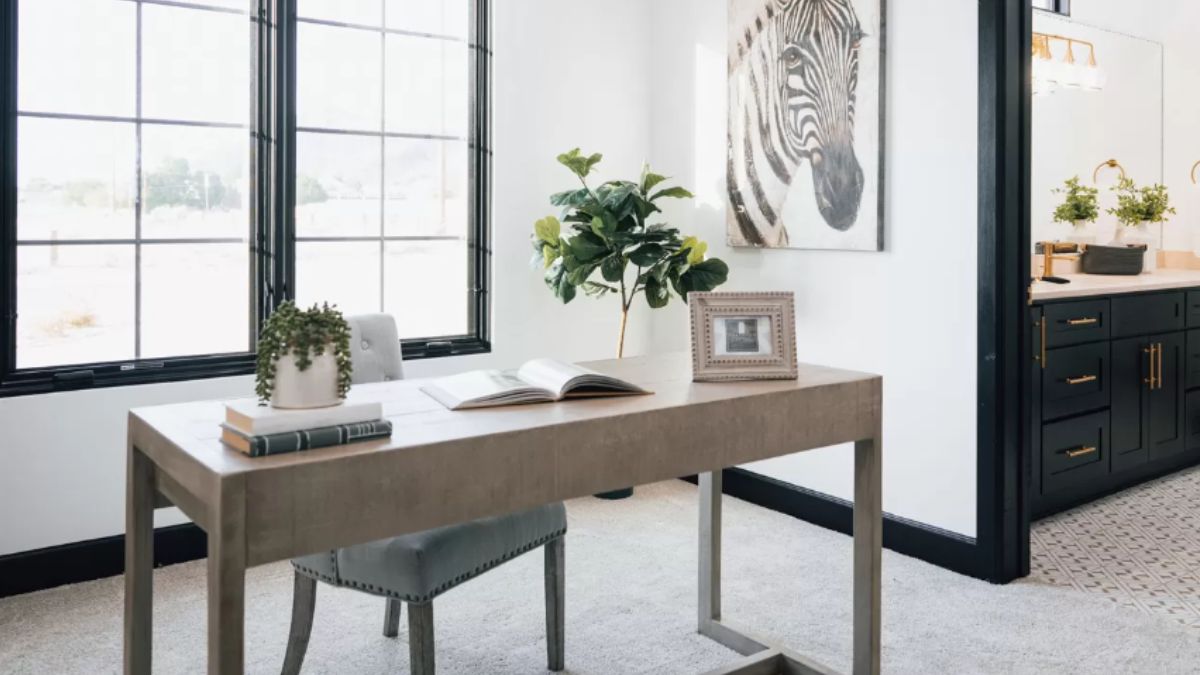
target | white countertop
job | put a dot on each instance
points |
(1084, 285)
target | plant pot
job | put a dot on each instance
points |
(313, 387)
(1081, 233)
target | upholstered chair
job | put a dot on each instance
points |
(413, 569)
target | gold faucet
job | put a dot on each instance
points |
(1050, 253)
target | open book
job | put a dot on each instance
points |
(538, 381)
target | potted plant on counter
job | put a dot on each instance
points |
(1137, 208)
(605, 244)
(303, 358)
(1080, 208)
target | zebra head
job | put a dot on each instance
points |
(818, 43)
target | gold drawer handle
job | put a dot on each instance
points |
(1082, 380)
(1153, 381)
(1080, 452)
(1086, 321)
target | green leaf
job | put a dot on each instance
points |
(649, 180)
(598, 227)
(556, 280)
(595, 290)
(579, 275)
(587, 247)
(695, 250)
(675, 192)
(549, 255)
(657, 294)
(613, 268)
(704, 276)
(578, 164)
(572, 198)
(548, 230)
(647, 255)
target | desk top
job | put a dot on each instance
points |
(441, 466)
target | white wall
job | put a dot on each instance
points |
(908, 313)
(567, 73)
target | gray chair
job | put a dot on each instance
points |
(416, 568)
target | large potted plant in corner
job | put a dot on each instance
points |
(1137, 208)
(605, 244)
(1080, 207)
(303, 358)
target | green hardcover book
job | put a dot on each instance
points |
(307, 439)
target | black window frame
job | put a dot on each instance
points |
(1056, 6)
(272, 209)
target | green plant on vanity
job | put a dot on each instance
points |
(1137, 205)
(1080, 203)
(607, 231)
(304, 335)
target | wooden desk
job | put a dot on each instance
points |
(442, 467)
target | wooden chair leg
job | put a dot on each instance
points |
(391, 617)
(555, 591)
(420, 639)
(304, 601)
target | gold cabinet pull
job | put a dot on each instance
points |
(1082, 380)
(1086, 321)
(1152, 350)
(1042, 325)
(1158, 358)
(1080, 452)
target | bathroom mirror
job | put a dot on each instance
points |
(1109, 108)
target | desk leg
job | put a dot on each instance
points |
(710, 549)
(139, 561)
(868, 552)
(227, 584)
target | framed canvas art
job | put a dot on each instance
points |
(806, 124)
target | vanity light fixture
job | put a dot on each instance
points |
(1051, 71)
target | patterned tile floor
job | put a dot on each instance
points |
(1140, 548)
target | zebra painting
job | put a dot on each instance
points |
(805, 123)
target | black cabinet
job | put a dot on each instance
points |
(1117, 393)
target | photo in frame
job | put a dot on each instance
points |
(743, 336)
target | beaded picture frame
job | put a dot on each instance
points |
(743, 336)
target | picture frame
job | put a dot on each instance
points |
(743, 336)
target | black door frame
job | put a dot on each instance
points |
(1005, 37)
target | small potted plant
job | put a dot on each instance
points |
(1080, 207)
(1138, 207)
(303, 358)
(605, 243)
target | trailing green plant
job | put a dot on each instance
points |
(1080, 203)
(1141, 204)
(304, 335)
(607, 230)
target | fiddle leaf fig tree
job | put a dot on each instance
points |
(604, 243)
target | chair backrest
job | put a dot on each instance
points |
(375, 348)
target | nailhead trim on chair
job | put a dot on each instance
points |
(376, 590)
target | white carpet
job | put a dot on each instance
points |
(631, 605)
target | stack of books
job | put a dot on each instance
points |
(259, 431)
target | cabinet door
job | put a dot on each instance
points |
(1165, 417)
(1130, 393)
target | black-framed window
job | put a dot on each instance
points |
(1057, 6)
(175, 169)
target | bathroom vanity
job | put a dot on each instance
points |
(1116, 383)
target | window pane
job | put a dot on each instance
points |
(427, 191)
(195, 299)
(195, 65)
(337, 185)
(448, 17)
(364, 12)
(77, 56)
(426, 287)
(338, 78)
(341, 273)
(75, 180)
(426, 86)
(194, 182)
(75, 304)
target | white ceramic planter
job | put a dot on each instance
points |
(314, 387)
(1081, 233)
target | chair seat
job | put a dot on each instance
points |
(418, 567)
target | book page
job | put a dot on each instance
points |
(484, 387)
(551, 374)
